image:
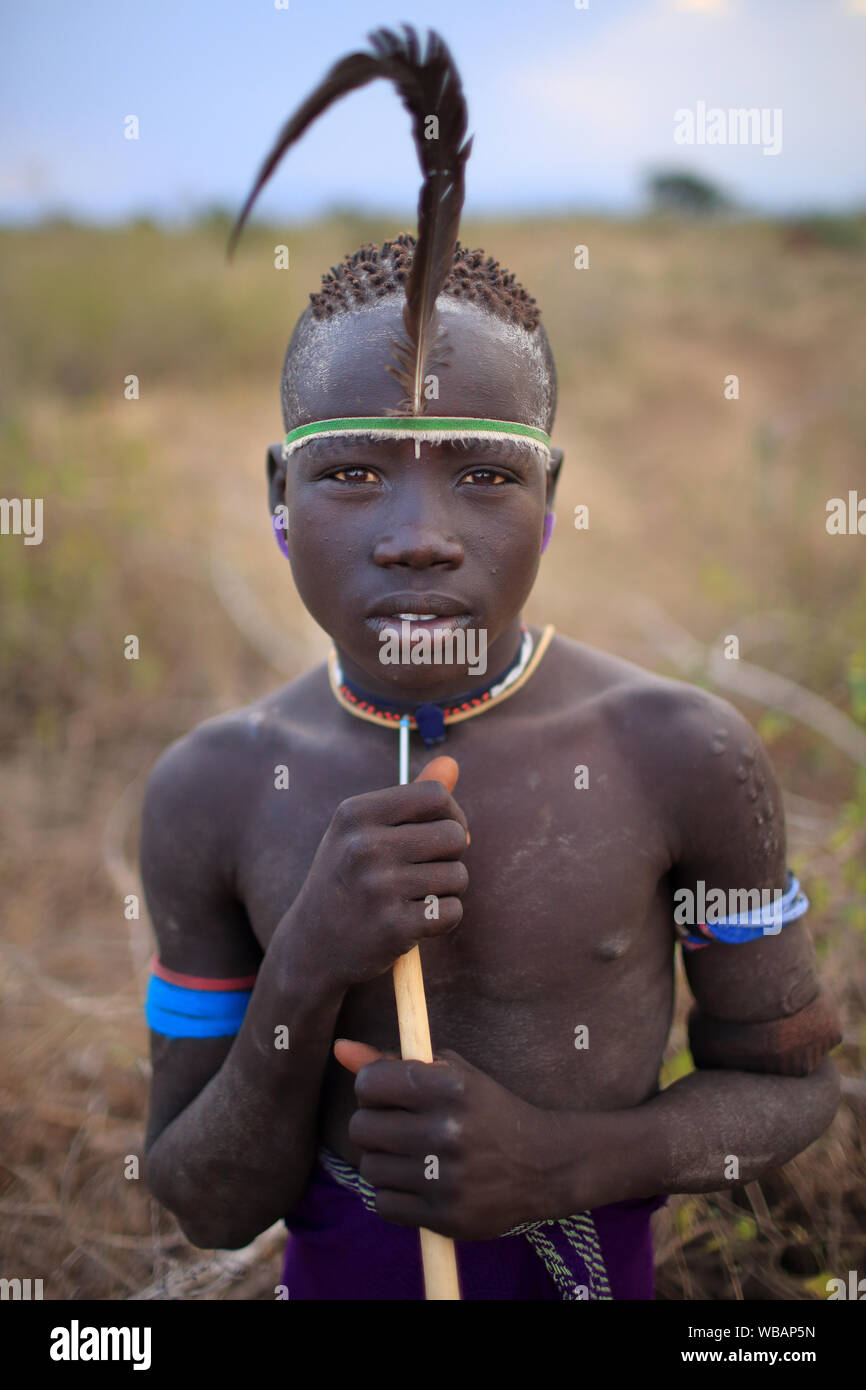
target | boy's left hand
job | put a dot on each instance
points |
(445, 1146)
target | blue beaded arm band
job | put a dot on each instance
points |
(767, 920)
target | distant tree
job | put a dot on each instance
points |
(673, 191)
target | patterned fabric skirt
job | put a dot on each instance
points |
(339, 1248)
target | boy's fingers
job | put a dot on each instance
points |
(392, 1084)
(407, 804)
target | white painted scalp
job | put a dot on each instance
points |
(316, 362)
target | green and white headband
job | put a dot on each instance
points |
(426, 429)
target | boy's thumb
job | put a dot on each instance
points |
(442, 769)
(445, 770)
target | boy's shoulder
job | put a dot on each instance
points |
(635, 699)
(690, 746)
(225, 751)
(201, 793)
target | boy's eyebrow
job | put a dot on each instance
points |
(517, 448)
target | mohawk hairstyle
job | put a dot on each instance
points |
(372, 271)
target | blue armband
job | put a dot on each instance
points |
(766, 920)
(189, 1006)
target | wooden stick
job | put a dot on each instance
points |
(438, 1256)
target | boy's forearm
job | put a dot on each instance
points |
(237, 1157)
(697, 1126)
(685, 1138)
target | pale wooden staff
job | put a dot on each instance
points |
(438, 1255)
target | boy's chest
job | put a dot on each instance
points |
(565, 922)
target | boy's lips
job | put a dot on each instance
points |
(423, 613)
(418, 623)
(419, 605)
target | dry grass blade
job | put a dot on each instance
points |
(206, 1278)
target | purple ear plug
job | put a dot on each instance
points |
(279, 533)
(549, 520)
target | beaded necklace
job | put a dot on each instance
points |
(430, 717)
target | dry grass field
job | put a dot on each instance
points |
(707, 518)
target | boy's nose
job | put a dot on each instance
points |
(418, 546)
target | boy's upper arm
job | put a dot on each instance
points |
(759, 1004)
(187, 856)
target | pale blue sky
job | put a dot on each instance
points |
(569, 107)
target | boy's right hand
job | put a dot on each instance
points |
(385, 852)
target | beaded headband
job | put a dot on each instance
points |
(428, 429)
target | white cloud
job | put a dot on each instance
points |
(705, 6)
(24, 177)
(603, 111)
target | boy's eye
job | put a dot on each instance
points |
(487, 477)
(354, 475)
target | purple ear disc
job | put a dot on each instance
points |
(280, 535)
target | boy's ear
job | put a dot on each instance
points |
(276, 468)
(556, 457)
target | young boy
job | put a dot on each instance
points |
(286, 872)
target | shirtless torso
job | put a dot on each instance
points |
(567, 917)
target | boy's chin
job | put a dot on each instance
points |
(412, 682)
(414, 660)
(415, 684)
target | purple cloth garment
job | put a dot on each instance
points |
(337, 1249)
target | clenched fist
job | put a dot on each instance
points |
(382, 856)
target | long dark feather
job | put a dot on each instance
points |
(429, 86)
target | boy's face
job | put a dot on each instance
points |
(375, 532)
